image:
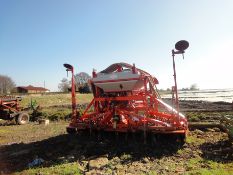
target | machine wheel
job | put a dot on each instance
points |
(22, 118)
(71, 130)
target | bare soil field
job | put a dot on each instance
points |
(205, 152)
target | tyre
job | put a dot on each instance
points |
(23, 118)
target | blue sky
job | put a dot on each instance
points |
(37, 37)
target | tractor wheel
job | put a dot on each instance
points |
(22, 118)
(71, 130)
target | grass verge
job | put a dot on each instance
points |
(63, 169)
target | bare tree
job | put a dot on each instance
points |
(64, 85)
(82, 78)
(6, 84)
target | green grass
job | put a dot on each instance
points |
(200, 166)
(125, 157)
(200, 116)
(52, 113)
(205, 171)
(63, 169)
(47, 100)
(151, 173)
(197, 166)
(194, 140)
(31, 132)
(193, 164)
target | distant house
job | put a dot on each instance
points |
(31, 89)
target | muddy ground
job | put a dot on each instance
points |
(205, 150)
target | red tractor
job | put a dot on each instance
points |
(9, 110)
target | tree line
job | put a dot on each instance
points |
(81, 83)
(6, 84)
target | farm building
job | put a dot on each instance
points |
(31, 89)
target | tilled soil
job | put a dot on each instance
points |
(118, 156)
(111, 154)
